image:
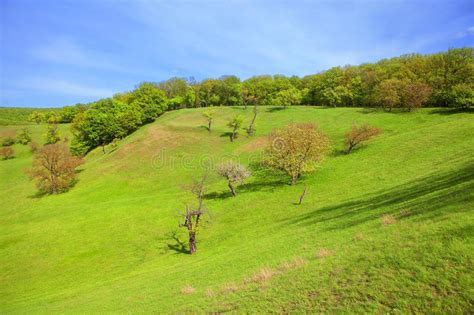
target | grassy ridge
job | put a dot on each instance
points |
(112, 242)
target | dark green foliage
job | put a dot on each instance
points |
(150, 100)
(104, 121)
(67, 113)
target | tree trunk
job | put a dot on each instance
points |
(103, 148)
(293, 179)
(192, 242)
(209, 126)
(232, 189)
(302, 195)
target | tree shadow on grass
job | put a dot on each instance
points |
(177, 245)
(264, 180)
(450, 111)
(424, 198)
(226, 134)
(275, 109)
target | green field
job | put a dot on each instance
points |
(112, 243)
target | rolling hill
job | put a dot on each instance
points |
(388, 228)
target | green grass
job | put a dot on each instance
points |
(19, 116)
(107, 245)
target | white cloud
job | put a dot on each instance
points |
(65, 51)
(62, 87)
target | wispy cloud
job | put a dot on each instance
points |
(50, 85)
(468, 32)
(65, 51)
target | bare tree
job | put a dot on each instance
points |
(234, 173)
(358, 135)
(192, 217)
(54, 168)
(296, 149)
(191, 223)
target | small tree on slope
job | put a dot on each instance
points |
(296, 149)
(235, 174)
(358, 135)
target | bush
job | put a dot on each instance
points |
(6, 153)
(8, 138)
(25, 136)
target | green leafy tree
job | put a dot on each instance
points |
(36, 117)
(288, 97)
(462, 96)
(209, 116)
(235, 123)
(151, 101)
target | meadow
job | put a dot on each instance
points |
(388, 228)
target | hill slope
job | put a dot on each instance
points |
(112, 243)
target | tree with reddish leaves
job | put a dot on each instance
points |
(359, 134)
(54, 168)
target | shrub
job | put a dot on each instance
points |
(54, 168)
(359, 134)
(8, 138)
(25, 136)
(296, 149)
(6, 153)
(234, 173)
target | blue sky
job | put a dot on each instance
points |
(62, 52)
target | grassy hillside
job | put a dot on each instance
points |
(19, 116)
(112, 243)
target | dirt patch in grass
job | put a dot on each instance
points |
(388, 219)
(188, 290)
(256, 144)
(323, 252)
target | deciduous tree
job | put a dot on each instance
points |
(54, 168)
(234, 173)
(235, 123)
(209, 116)
(296, 149)
(52, 134)
(359, 134)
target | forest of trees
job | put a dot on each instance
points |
(405, 83)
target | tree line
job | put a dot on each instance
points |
(410, 81)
